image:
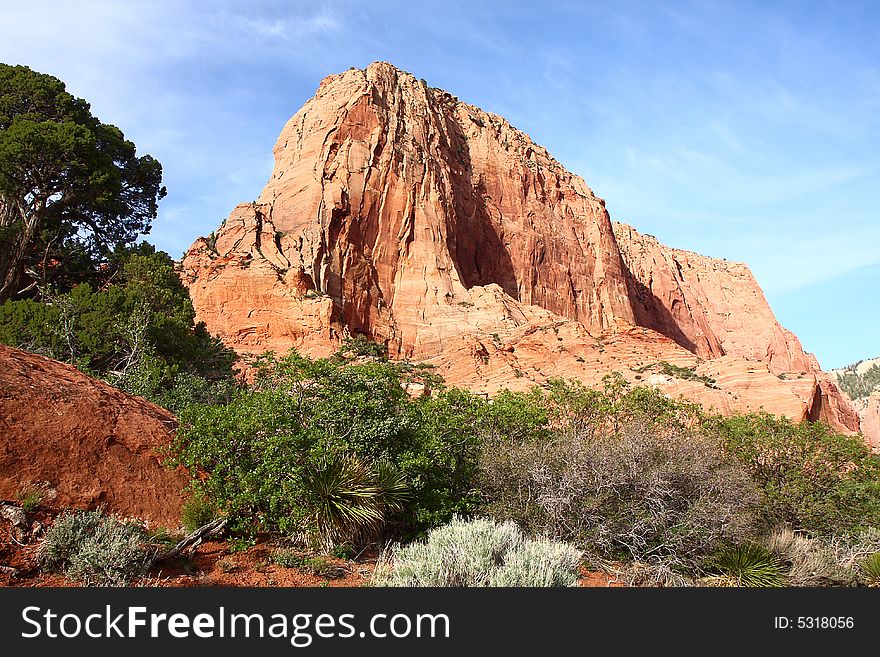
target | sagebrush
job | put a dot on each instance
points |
(479, 552)
(96, 549)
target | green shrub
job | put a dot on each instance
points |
(812, 478)
(136, 329)
(750, 564)
(288, 558)
(263, 451)
(242, 543)
(197, 512)
(317, 565)
(361, 346)
(859, 385)
(151, 379)
(480, 552)
(685, 373)
(343, 551)
(95, 549)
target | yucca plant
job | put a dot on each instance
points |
(750, 564)
(393, 486)
(870, 569)
(350, 499)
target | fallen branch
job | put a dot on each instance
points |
(193, 539)
(9, 570)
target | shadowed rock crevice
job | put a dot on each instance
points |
(475, 243)
(651, 313)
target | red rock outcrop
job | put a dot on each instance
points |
(868, 409)
(90, 444)
(391, 201)
(397, 211)
(711, 307)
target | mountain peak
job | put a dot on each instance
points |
(398, 212)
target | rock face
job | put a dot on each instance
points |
(711, 307)
(869, 416)
(88, 443)
(398, 212)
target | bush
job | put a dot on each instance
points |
(197, 512)
(750, 564)
(95, 549)
(317, 565)
(870, 569)
(637, 492)
(812, 478)
(136, 329)
(266, 451)
(859, 385)
(151, 379)
(808, 561)
(288, 558)
(539, 562)
(480, 552)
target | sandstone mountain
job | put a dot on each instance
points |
(398, 212)
(84, 442)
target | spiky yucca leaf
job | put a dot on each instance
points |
(393, 485)
(350, 498)
(345, 498)
(870, 568)
(750, 565)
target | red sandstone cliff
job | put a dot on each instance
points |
(397, 211)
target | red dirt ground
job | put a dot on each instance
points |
(213, 563)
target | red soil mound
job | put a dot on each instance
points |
(87, 443)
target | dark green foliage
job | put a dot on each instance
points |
(235, 544)
(263, 450)
(625, 473)
(138, 332)
(71, 188)
(317, 565)
(686, 373)
(858, 385)
(349, 498)
(360, 345)
(750, 564)
(812, 478)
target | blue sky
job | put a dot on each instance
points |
(749, 131)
